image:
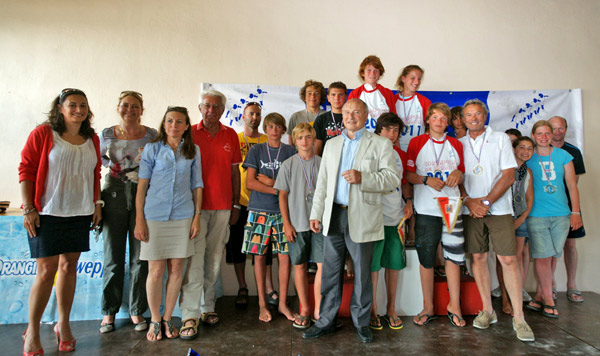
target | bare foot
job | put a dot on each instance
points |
(65, 332)
(154, 333)
(507, 307)
(456, 316)
(31, 344)
(424, 317)
(136, 319)
(264, 315)
(349, 266)
(108, 319)
(189, 322)
(283, 309)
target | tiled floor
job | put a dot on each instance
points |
(577, 332)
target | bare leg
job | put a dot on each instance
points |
(512, 280)
(391, 284)
(526, 263)
(156, 271)
(38, 299)
(427, 288)
(65, 292)
(481, 272)
(543, 267)
(268, 277)
(374, 281)
(571, 258)
(175, 268)
(553, 263)
(453, 277)
(284, 282)
(506, 307)
(301, 279)
(260, 270)
(240, 274)
(317, 292)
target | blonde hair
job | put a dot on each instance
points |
(539, 124)
(303, 127)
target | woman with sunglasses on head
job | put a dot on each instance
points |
(59, 207)
(168, 203)
(121, 149)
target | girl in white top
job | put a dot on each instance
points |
(410, 105)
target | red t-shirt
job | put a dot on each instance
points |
(218, 155)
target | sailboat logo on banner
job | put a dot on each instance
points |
(450, 208)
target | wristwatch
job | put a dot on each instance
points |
(424, 179)
(486, 202)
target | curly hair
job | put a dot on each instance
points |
(56, 120)
(318, 85)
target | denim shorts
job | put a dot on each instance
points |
(547, 235)
(521, 231)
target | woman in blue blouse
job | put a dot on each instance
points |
(168, 202)
(550, 217)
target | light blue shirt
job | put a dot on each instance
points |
(172, 179)
(342, 190)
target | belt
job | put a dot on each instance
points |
(345, 207)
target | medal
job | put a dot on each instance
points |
(437, 173)
(517, 198)
(309, 198)
(309, 182)
(550, 189)
(478, 169)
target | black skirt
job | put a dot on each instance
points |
(57, 235)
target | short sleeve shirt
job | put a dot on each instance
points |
(245, 144)
(549, 204)
(122, 156)
(412, 111)
(328, 125)
(300, 117)
(219, 154)
(496, 156)
(577, 163)
(292, 178)
(267, 163)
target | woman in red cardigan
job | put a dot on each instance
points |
(59, 175)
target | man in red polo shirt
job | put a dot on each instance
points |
(220, 155)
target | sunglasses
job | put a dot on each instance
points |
(252, 103)
(129, 92)
(69, 91)
(180, 109)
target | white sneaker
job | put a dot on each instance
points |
(526, 297)
(524, 332)
(497, 293)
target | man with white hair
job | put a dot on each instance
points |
(220, 155)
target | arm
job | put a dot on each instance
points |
(319, 147)
(502, 185)
(528, 200)
(433, 182)
(141, 229)
(97, 217)
(235, 182)
(290, 232)
(407, 193)
(571, 180)
(32, 220)
(254, 184)
(455, 178)
(197, 197)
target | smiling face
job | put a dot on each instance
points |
(211, 109)
(354, 115)
(437, 122)
(372, 75)
(542, 136)
(175, 124)
(312, 97)
(74, 109)
(130, 109)
(559, 129)
(474, 117)
(252, 116)
(411, 82)
(524, 151)
(337, 98)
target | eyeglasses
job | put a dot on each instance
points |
(129, 92)
(252, 103)
(180, 109)
(69, 91)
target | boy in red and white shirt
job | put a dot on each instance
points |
(435, 167)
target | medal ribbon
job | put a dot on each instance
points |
(480, 149)
(544, 168)
(276, 158)
(337, 129)
(312, 174)
(404, 105)
(437, 158)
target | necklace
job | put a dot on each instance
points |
(404, 106)
(549, 188)
(310, 181)
(478, 169)
(437, 158)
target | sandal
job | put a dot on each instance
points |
(451, 316)
(375, 323)
(531, 305)
(172, 330)
(271, 300)
(554, 294)
(428, 319)
(210, 319)
(550, 315)
(571, 293)
(194, 329)
(301, 321)
(154, 329)
(392, 322)
(241, 301)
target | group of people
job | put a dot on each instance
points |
(338, 193)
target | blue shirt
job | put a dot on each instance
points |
(546, 204)
(342, 190)
(172, 179)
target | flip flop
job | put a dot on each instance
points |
(299, 321)
(272, 301)
(428, 319)
(375, 323)
(155, 325)
(550, 315)
(572, 292)
(207, 316)
(241, 301)
(391, 320)
(530, 305)
(451, 316)
(194, 328)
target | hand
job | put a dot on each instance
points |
(518, 222)
(30, 222)
(195, 229)
(454, 178)
(141, 230)
(235, 215)
(408, 210)
(97, 216)
(352, 176)
(266, 180)
(476, 208)
(315, 226)
(576, 221)
(436, 183)
(132, 176)
(290, 232)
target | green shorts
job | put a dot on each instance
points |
(389, 253)
(264, 229)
